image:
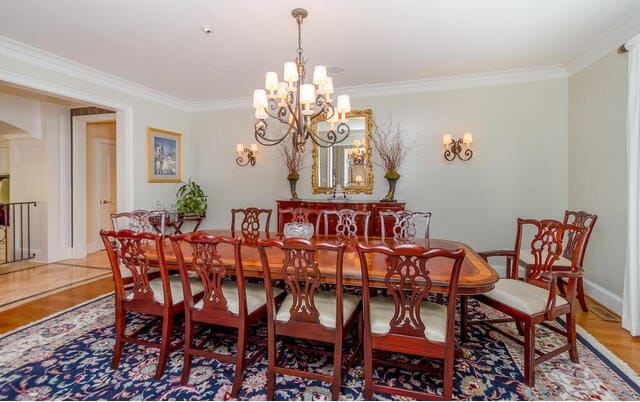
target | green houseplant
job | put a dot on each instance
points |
(191, 199)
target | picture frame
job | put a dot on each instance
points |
(164, 156)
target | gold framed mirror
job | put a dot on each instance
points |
(346, 166)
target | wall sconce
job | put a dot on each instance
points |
(251, 154)
(460, 147)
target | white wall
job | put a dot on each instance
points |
(519, 167)
(597, 168)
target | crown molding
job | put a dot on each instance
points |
(414, 86)
(607, 44)
(31, 55)
(39, 58)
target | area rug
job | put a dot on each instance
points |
(68, 356)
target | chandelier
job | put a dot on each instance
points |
(357, 154)
(296, 105)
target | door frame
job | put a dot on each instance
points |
(91, 247)
(79, 156)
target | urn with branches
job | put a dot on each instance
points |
(390, 152)
(293, 160)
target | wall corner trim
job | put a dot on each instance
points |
(604, 296)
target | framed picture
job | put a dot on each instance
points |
(164, 156)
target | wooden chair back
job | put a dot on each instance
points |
(251, 223)
(300, 215)
(404, 223)
(582, 219)
(546, 248)
(130, 250)
(350, 223)
(139, 221)
(206, 263)
(407, 280)
(302, 276)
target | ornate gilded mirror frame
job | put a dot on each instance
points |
(351, 188)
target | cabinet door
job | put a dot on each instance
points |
(4, 160)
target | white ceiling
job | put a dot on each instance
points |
(159, 43)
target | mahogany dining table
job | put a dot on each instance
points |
(476, 275)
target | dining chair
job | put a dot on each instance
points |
(300, 215)
(161, 297)
(404, 223)
(251, 224)
(406, 322)
(577, 218)
(139, 221)
(307, 312)
(226, 302)
(537, 300)
(349, 223)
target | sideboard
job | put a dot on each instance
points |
(359, 205)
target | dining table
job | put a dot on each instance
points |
(476, 275)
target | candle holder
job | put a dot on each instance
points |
(250, 155)
(460, 148)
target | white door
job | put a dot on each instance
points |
(104, 201)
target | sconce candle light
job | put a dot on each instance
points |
(251, 154)
(460, 147)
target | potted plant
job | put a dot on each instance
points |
(293, 159)
(390, 152)
(191, 199)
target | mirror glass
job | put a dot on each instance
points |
(346, 166)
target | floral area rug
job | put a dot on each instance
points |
(68, 356)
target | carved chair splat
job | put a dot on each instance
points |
(251, 225)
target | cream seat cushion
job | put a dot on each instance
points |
(326, 305)
(256, 296)
(522, 296)
(434, 317)
(175, 284)
(527, 258)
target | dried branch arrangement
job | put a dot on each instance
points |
(292, 158)
(389, 148)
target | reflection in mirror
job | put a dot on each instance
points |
(345, 167)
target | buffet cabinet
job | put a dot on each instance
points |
(359, 205)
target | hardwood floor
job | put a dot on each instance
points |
(608, 333)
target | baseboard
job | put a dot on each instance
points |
(603, 296)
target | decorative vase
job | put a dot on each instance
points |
(292, 187)
(390, 197)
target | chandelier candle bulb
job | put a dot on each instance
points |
(320, 75)
(260, 99)
(328, 88)
(261, 113)
(271, 82)
(254, 148)
(240, 149)
(290, 73)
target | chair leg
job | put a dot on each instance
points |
(464, 311)
(581, 298)
(240, 362)
(337, 371)
(529, 353)
(188, 342)
(271, 360)
(571, 336)
(368, 368)
(167, 325)
(448, 375)
(121, 322)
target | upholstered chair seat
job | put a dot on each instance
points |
(529, 299)
(256, 297)
(433, 315)
(326, 305)
(175, 284)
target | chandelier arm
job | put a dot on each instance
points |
(260, 133)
